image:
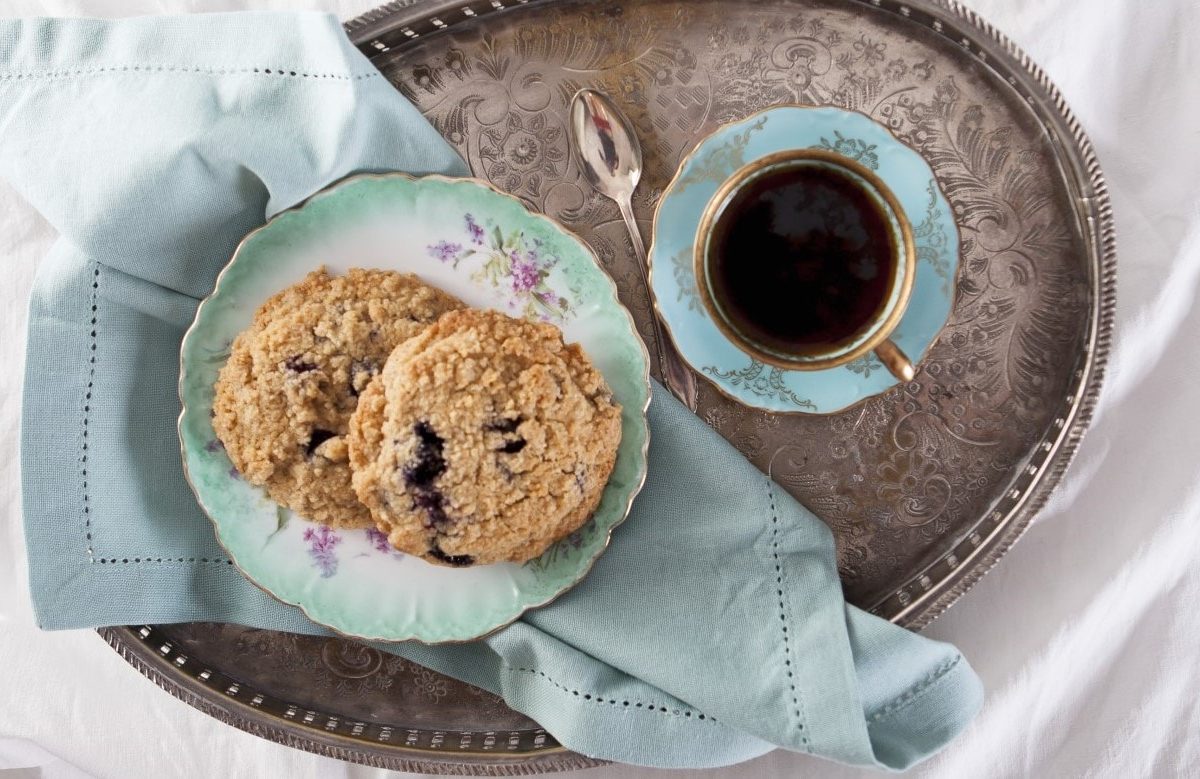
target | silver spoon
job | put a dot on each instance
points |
(611, 158)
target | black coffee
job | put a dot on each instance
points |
(802, 259)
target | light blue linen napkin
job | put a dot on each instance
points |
(714, 628)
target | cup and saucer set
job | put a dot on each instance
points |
(803, 259)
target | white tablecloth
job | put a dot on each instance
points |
(1087, 635)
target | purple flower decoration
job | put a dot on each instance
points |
(513, 261)
(379, 540)
(475, 230)
(321, 542)
(214, 446)
(233, 473)
(525, 273)
(445, 251)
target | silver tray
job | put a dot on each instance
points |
(925, 487)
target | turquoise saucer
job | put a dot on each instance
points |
(673, 282)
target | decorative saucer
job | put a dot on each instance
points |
(460, 235)
(715, 159)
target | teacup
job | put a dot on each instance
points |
(805, 260)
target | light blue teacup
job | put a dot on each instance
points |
(898, 264)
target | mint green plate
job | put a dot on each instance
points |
(484, 247)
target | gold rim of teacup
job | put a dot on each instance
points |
(882, 328)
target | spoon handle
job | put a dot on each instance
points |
(675, 373)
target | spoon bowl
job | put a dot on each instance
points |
(606, 146)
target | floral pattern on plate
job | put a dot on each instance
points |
(512, 264)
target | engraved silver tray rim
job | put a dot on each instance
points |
(916, 602)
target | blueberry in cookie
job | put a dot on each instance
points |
(485, 439)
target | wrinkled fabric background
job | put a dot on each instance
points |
(1087, 634)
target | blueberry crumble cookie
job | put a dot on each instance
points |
(284, 399)
(485, 439)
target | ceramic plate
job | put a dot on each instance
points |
(457, 234)
(852, 135)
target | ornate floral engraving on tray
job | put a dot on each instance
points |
(904, 476)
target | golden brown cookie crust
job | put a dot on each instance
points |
(485, 439)
(284, 399)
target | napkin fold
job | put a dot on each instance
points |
(713, 629)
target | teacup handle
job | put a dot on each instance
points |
(895, 360)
